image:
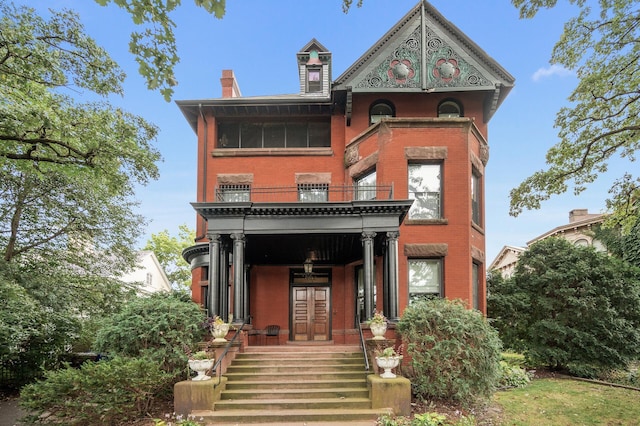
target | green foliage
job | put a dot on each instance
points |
(604, 117)
(168, 249)
(423, 419)
(159, 326)
(454, 352)
(624, 245)
(574, 309)
(105, 392)
(513, 376)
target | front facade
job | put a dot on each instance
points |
(352, 196)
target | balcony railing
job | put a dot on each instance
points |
(310, 193)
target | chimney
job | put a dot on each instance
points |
(576, 215)
(230, 87)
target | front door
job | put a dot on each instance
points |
(310, 312)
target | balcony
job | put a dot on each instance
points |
(302, 193)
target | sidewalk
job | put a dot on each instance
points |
(10, 412)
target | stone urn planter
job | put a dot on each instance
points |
(219, 332)
(388, 363)
(378, 326)
(201, 366)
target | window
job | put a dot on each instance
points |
(379, 110)
(365, 187)
(312, 192)
(234, 193)
(582, 242)
(476, 191)
(314, 80)
(425, 278)
(450, 109)
(475, 285)
(425, 190)
(149, 279)
(277, 134)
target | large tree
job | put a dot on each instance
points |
(570, 307)
(602, 45)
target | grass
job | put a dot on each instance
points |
(553, 401)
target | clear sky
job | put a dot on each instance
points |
(259, 39)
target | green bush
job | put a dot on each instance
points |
(513, 376)
(454, 352)
(106, 392)
(158, 326)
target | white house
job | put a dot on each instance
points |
(150, 273)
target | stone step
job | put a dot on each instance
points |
(291, 417)
(265, 405)
(299, 355)
(293, 393)
(297, 361)
(297, 376)
(283, 384)
(324, 367)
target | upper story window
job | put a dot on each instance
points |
(449, 108)
(425, 188)
(314, 80)
(381, 109)
(276, 134)
(365, 186)
(476, 192)
(313, 192)
(234, 193)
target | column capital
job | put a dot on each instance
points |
(393, 235)
(238, 237)
(368, 235)
(213, 236)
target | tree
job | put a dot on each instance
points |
(573, 308)
(168, 249)
(604, 117)
(625, 246)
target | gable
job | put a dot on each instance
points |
(424, 52)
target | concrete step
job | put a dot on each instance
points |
(284, 384)
(299, 393)
(299, 355)
(297, 376)
(324, 367)
(292, 417)
(293, 404)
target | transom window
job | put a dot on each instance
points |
(276, 134)
(425, 184)
(365, 186)
(313, 192)
(425, 278)
(234, 193)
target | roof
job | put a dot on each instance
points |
(591, 220)
(503, 253)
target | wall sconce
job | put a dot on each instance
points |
(308, 267)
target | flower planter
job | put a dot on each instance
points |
(201, 366)
(219, 332)
(388, 363)
(378, 330)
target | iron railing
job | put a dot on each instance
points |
(362, 345)
(216, 366)
(302, 193)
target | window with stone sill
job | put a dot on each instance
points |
(274, 134)
(425, 278)
(233, 193)
(425, 188)
(313, 192)
(365, 186)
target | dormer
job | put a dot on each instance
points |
(314, 69)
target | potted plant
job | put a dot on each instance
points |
(378, 325)
(201, 363)
(218, 327)
(388, 359)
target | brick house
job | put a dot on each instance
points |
(356, 194)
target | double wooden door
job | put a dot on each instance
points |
(310, 312)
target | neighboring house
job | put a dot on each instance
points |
(578, 231)
(353, 195)
(150, 273)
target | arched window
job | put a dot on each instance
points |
(381, 109)
(449, 108)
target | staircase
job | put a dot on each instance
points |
(293, 384)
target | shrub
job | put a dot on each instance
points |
(513, 376)
(158, 326)
(454, 352)
(106, 392)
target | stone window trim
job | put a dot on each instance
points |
(441, 221)
(477, 255)
(477, 164)
(426, 250)
(235, 179)
(313, 178)
(426, 152)
(363, 166)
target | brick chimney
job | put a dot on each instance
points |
(230, 87)
(576, 215)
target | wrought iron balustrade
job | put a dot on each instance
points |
(312, 193)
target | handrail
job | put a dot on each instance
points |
(229, 343)
(362, 345)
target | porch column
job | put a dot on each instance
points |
(224, 280)
(214, 274)
(238, 276)
(391, 298)
(369, 273)
(245, 295)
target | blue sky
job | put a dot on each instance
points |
(258, 40)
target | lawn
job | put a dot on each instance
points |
(553, 401)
